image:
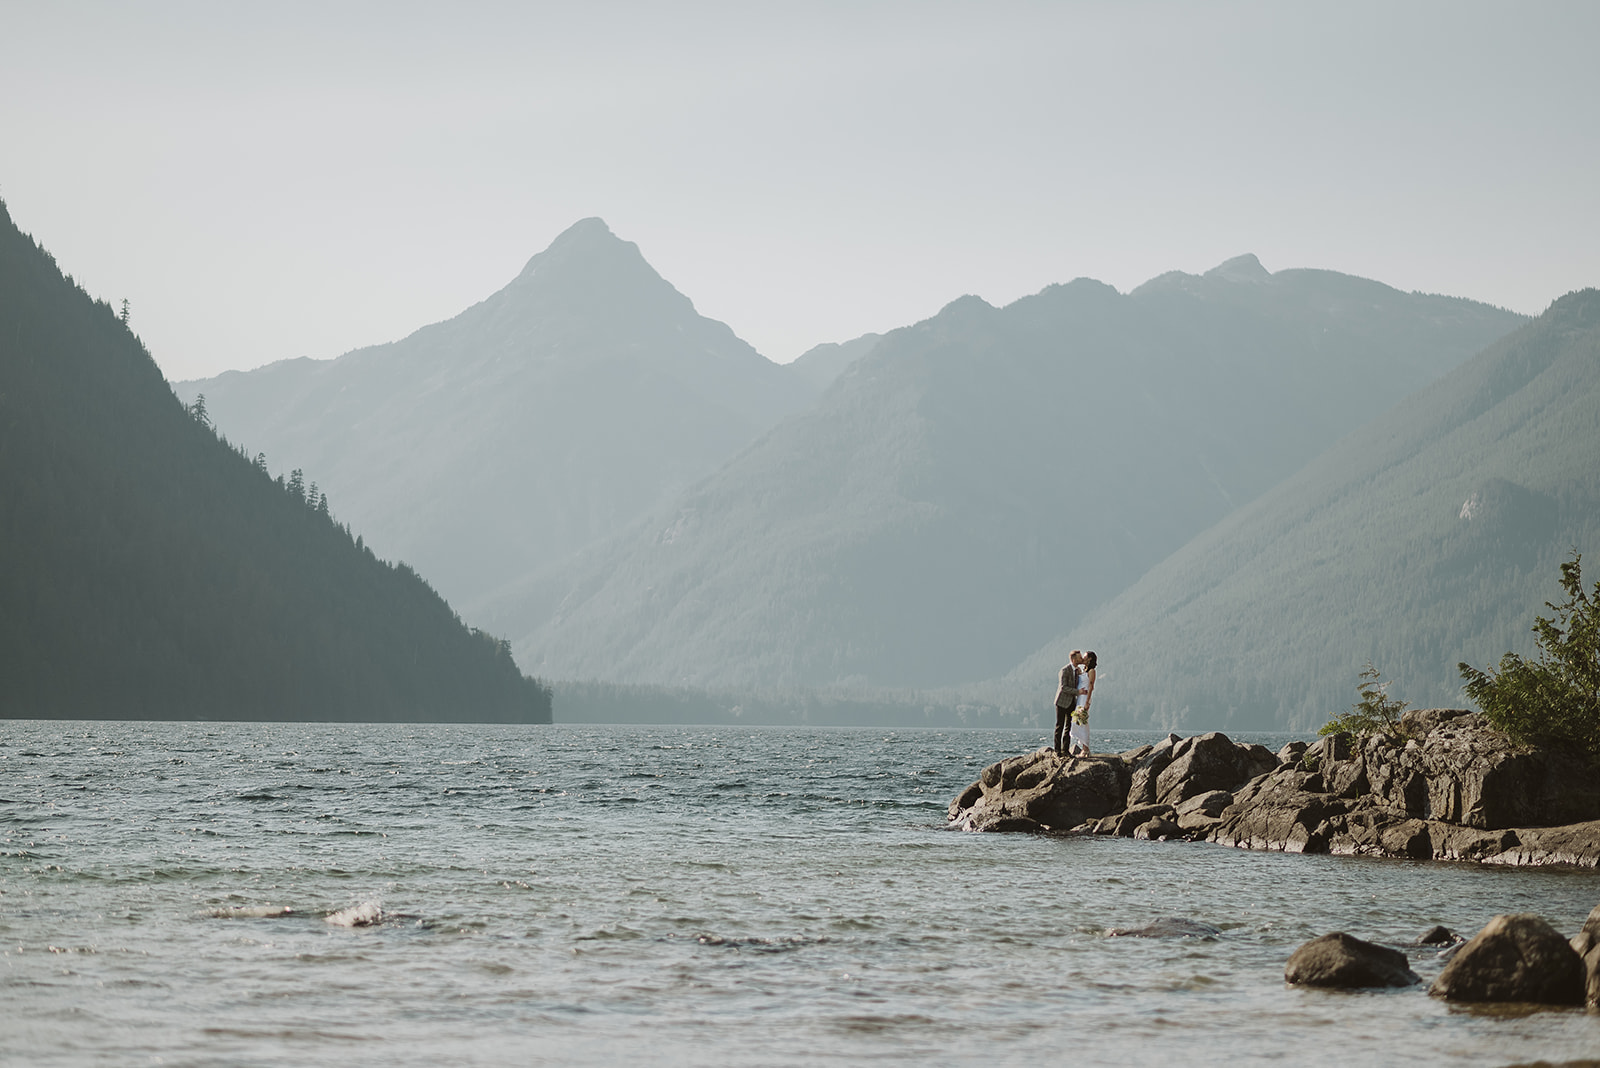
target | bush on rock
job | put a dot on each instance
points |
(1556, 698)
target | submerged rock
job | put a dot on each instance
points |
(1514, 958)
(1341, 960)
(1167, 927)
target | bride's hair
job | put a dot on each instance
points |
(1090, 660)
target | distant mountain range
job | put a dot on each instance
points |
(975, 483)
(581, 396)
(1429, 536)
(150, 571)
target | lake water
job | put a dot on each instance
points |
(674, 895)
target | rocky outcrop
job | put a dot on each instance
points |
(1341, 960)
(1455, 768)
(1041, 791)
(1452, 789)
(1514, 958)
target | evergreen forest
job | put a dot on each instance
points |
(151, 570)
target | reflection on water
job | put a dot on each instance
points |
(593, 895)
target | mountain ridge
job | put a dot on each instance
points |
(1428, 537)
(150, 571)
(893, 534)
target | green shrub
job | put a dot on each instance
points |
(1556, 699)
(1375, 713)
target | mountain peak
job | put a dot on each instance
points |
(1244, 268)
(593, 228)
(590, 272)
(1578, 310)
(586, 239)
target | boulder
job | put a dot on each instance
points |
(1041, 791)
(1576, 844)
(1591, 971)
(1286, 811)
(1003, 823)
(1197, 825)
(1437, 935)
(965, 800)
(1340, 960)
(1589, 936)
(1158, 829)
(1210, 803)
(1128, 820)
(1586, 944)
(1209, 762)
(1291, 752)
(1132, 757)
(1382, 833)
(1514, 958)
(1147, 768)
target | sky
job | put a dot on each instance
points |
(268, 181)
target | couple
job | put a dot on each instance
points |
(1072, 699)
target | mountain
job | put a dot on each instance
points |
(975, 483)
(1430, 536)
(821, 364)
(147, 570)
(577, 398)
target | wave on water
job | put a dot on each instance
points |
(366, 914)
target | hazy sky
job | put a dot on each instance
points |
(273, 180)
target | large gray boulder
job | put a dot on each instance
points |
(1209, 762)
(1041, 791)
(1287, 810)
(1341, 960)
(1146, 766)
(1516, 957)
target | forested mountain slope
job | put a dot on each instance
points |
(147, 570)
(975, 483)
(569, 403)
(1430, 536)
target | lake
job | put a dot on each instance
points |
(591, 895)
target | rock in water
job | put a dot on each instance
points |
(1514, 958)
(1437, 935)
(1041, 791)
(1589, 937)
(1586, 943)
(1340, 960)
(1168, 927)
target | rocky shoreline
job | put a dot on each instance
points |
(1448, 787)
